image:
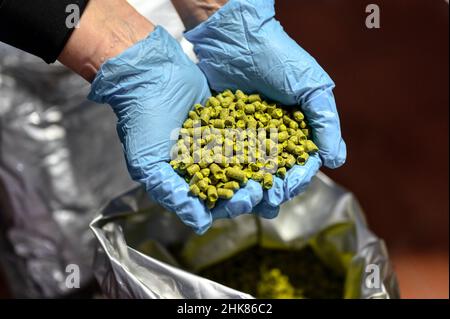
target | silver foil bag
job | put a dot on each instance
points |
(326, 216)
(60, 161)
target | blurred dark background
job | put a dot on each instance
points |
(392, 94)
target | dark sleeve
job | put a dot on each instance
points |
(37, 26)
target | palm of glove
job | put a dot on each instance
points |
(242, 46)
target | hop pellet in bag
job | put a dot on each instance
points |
(318, 247)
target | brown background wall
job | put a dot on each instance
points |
(392, 93)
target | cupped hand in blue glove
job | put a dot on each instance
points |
(242, 46)
(151, 88)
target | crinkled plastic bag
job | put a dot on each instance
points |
(54, 175)
(326, 217)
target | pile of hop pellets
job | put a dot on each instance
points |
(278, 274)
(235, 137)
(276, 285)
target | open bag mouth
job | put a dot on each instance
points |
(146, 252)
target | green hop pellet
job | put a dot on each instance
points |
(194, 189)
(249, 109)
(298, 116)
(301, 160)
(298, 150)
(241, 124)
(198, 108)
(300, 135)
(264, 119)
(311, 147)
(216, 171)
(280, 148)
(189, 123)
(281, 161)
(191, 170)
(240, 95)
(193, 115)
(281, 172)
(259, 107)
(305, 132)
(212, 194)
(219, 123)
(225, 193)
(293, 125)
(202, 196)
(268, 181)
(240, 105)
(254, 167)
(294, 139)
(205, 172)
(282, 136)
(228, 93)
(254, 98)
(231, 185)
(196, 178)
(248, 173)
(252, 124)
(213, 102)
(286, 120)
(240, 115)
(290, 161)
(236, 174)
(203, 184)
(290, 147)
(227, 101)
(229, 122)
(205, 117)
(258, 176)
(277, 113)
(214, 180)
(271, 166)
(221, 160)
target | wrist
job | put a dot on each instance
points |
(194, 12)
(106, 29)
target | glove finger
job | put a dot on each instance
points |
(321, 114)
(299, 177)
(272, 199)
(171, 191)
(242, 202)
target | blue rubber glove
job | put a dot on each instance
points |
(242, 46)
(151, 88)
